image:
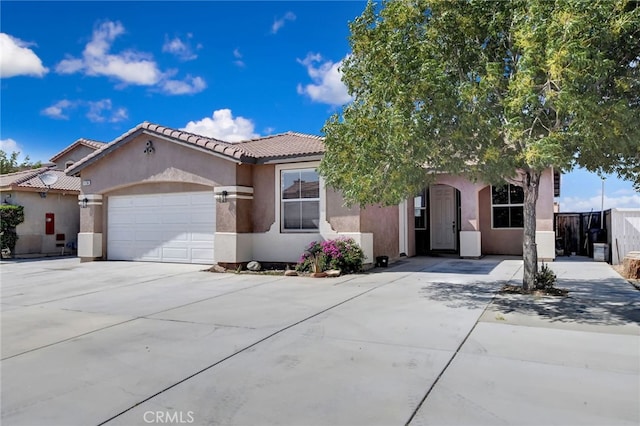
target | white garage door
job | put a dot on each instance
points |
(177, 227)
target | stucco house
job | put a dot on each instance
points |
(165, 195)
(51, 217)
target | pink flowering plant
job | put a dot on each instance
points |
(342, 253)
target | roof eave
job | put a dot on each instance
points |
(217, 151)
(283, 159)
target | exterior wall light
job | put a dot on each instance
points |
(222, 197)
(84, 202)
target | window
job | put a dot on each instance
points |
(300, 200)
(420, 212)
(507, 204)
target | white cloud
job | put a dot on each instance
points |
(221, 125)
(102, 111)
(57, 110)
(9, 146)
(327, 86)
(278, 23)
(17, 59)
(239, 62)
(128, 66)
(181, 49)
(188, 86)
(97, 111)
(618, 199)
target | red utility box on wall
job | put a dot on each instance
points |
(49, 223)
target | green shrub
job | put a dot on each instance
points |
(10, 217)
(342, 253)
(545, 278)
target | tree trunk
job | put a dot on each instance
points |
(529, 249)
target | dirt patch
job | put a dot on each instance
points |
(553, 291)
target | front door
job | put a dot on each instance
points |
(444, 227)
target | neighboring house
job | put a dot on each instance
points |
(164, 195)
(51, 213)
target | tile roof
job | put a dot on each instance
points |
(86, 142)
(260, 150)
(29, 179)
(284, 145)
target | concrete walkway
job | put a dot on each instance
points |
(426, 341)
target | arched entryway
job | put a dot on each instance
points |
(437, 220)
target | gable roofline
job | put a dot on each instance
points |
(253, 151)
(89, 143)
(210, 145)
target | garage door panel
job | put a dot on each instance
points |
(162, 227)
(202, 198)
(175, 217)
(203, 217)
(143, 217)
(147, 201)
(202, 237)
(120, 202)
(120, 217)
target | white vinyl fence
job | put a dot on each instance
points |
(624, 235)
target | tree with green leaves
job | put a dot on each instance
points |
(10, 163)
(498, 91)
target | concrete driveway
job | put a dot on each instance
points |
(426, 341)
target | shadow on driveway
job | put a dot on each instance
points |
(597, 302)
(472, 295)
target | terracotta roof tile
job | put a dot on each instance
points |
(289, 144)
(284, 145)
(30, 179)
(86, 142)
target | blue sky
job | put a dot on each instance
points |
(230, 70)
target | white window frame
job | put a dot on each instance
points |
(424, 194)
(298, 167)
(504, 205)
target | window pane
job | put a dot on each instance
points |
(417, 202)
(517, 194)
(310, 214)
(501, 217)
(500, 194)
(309, 184)
(291, 215)
(420, 220)
(517, 217)
(290, 185)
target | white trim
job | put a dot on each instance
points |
(403, 228)
(504, 228)
(234, 189)
(239, 197)
(322, 201)
(92, 199)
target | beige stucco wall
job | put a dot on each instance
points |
(341, 218)
(509, 241)
(74, 155)
(468, 199)
(382, 222)
(264, 196)
(31, 233)
(170, 162)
